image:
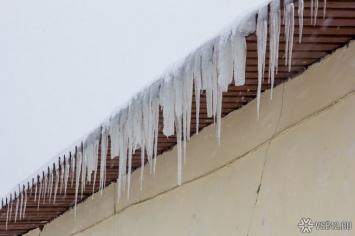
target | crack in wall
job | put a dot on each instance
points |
(265, 160)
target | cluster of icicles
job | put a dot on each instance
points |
(211, 68)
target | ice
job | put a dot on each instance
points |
(122, 118)
(215, 85)
(56, 185)
(21, 205)
(188, 90)
(95, 162)
(25, 205)
(206, 77)
(167, 97)
(134, 133)
(11, 199)
(178, 120)
(324, 8)
(154, 97)
(289, 31)
(104, 146)
(83, 171)
(261, 32)
(312, 5)
(62, 171)
(225, 64)
(114, 135)
(275, 25)
(16, 211)
(39, 192)
(197, 84)
(239, 47)
(77, 179)
(300, 18)
(45, 186)
(315, 11)
(36, 192)
(179, 159)
(66, 175)
(8, 214)
(50, 186)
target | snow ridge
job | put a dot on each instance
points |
(210, 69)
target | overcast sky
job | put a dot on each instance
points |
(65, 65)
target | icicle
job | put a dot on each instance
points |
(114, 135)
(66, 175)
(155, 109)
(261, 32)
(300, 18)
(56, 185)
(312, 5)
(179, 159)
(225, 63)
(167, 96)
(239, 47)
(72, 164)
(275, 22)
(50, 186)
(45, 186)
(187, 84)
(36, 192)
(148, 133)
(324, 8)
(17, 203)
(21, 205)
(315, 11)
(28, 186)
(77, 179)
(40, 191)
(246, 27)
(142, 165)
(217, 106)
(25, 206)
(178, 119)
(11, 207)
(104, 145)
(206, 77)
(62, 172)
(189, 93)
(197, 83)
(7, 214)
(84, 165)
(121, 119)
(219, 114)
(96, 160)
(289, 31)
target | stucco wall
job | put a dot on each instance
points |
(296, 162)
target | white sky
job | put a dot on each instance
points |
(66, 64)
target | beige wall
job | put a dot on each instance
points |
(301, 154)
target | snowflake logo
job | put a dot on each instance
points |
(306, 225)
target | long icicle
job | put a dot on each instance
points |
(289, 31)
(275, 23)
(300, 18)
(261, 32)
(25, 204)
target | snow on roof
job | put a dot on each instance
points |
(212, 67)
